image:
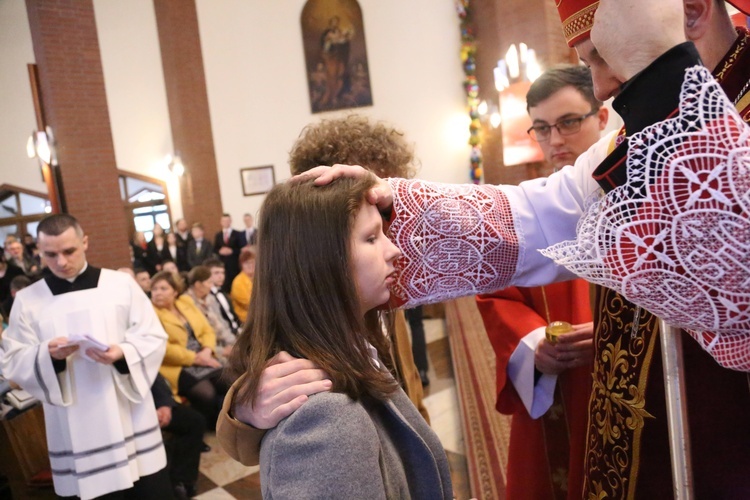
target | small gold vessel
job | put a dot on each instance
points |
(555, 329)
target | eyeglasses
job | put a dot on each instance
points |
(566, 126)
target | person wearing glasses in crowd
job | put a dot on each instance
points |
(545, 385)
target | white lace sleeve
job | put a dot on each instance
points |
(676, 238)
(456, 240)
(466, 239)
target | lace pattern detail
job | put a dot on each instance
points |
(676, 238)
(456, 240)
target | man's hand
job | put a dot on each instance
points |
(164, 414)
(107, 357)
(225, 251)
(60, 349)
(205, 357)
(284, 386)
(571, 350)
(380, 195)
(631, 34)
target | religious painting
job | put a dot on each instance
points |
(333, 35)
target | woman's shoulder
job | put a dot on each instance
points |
(328, 448)
(241, 278)
(185, 300)
(322, 427)
(330, 412)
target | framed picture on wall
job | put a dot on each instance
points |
(257, 180)
(338, 74)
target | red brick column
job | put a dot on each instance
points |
(499, 24)
(187, 98)
(67, 55)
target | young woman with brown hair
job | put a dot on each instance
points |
(323, 268)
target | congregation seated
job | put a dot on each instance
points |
(242, 285)
(18, 256)
(184, 440)
(218, 276)
(16, 284)
(199, 289)
(190, 364)
(143, 279)
(8, 271)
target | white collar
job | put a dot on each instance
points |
(85, 266)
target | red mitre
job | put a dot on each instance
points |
(741, 5)
(577, 18)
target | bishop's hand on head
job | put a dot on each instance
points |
(631, 34)
(380, 195)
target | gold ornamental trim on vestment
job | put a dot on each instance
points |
(579, 23)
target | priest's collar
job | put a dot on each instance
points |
(86, 279)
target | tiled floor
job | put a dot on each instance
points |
(223, 478)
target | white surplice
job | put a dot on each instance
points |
(102, 429)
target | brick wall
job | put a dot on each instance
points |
(67, 55)
(187, 98)
(497, 25)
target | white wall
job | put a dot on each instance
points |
(257, 87)
(17, 118)
(136, 95)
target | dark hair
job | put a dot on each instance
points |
(56, 224)
(304, 297)
(198, 274)
(213, 262)
(172, 279)
(559, 77)
(139, 270)
(19, 283)
(225, 215)
(353, 140)
(248, 253)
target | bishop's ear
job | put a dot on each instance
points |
(698, 14)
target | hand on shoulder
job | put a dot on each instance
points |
(285, 385)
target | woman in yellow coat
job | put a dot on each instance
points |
(189, 365)
(242, 285)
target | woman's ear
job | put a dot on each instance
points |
(697, 16)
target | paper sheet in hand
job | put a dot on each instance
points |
(80, 333)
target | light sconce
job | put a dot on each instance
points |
(489, 113)
(175, 165)
(519, 64)
(514, 75)
(496, 119)
(41, 144)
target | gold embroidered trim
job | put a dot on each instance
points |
(729, 61)
(617, 412)
(580, 22)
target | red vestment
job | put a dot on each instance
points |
(545, 456)
(463, 240)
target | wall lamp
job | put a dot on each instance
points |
(41, 144)
(175, 165)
